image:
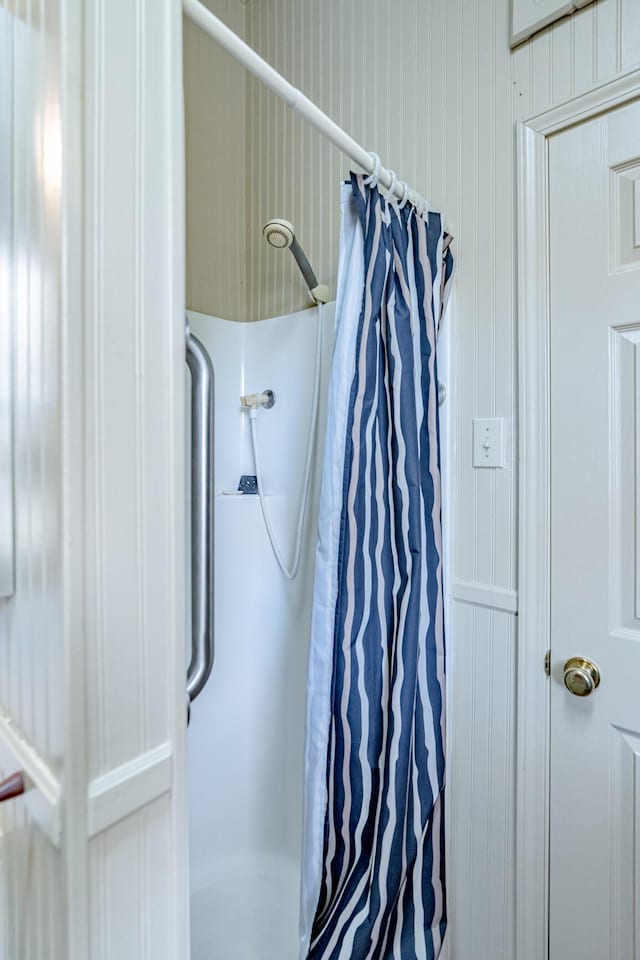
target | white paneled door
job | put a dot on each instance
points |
(594, 173)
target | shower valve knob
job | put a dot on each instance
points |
(251, 401)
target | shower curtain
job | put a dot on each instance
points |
(373, 860)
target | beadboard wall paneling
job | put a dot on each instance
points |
(480, 783)
(31, 621)
(33, 919)
(32, 902)
(216, 161)
(130, 868)
(453, 140)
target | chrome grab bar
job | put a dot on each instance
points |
(202, 646)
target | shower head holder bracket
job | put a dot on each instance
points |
(321, 293)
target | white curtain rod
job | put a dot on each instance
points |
(218, 31)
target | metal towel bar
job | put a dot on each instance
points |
(202, 564)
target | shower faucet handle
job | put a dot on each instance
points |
(252, 401)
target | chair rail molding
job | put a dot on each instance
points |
(485, 595)
(129, 787)
(533, 692)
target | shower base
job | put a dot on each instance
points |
(247, 911)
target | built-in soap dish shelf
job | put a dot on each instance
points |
(247, 487)
(248, 484)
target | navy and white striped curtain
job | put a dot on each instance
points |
(373, 874)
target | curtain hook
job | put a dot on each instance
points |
(392, 185)
(405, 194)
(372, 178)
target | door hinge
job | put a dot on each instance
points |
(547, 663)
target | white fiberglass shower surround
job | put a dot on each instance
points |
(247, 728)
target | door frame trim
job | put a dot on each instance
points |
(532, 684)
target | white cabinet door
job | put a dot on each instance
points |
(529, 16)
(92, 654)
(595, 537)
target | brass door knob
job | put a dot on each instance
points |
(581, 677)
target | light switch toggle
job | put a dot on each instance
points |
(488, 442)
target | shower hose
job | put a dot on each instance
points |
(291, 571)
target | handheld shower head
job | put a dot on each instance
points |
(280, 234)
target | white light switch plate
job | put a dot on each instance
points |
(488, 442)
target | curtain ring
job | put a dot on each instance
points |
(392, 185)
(405, 194)
(372, 178)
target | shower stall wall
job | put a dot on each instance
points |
(246, 735)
